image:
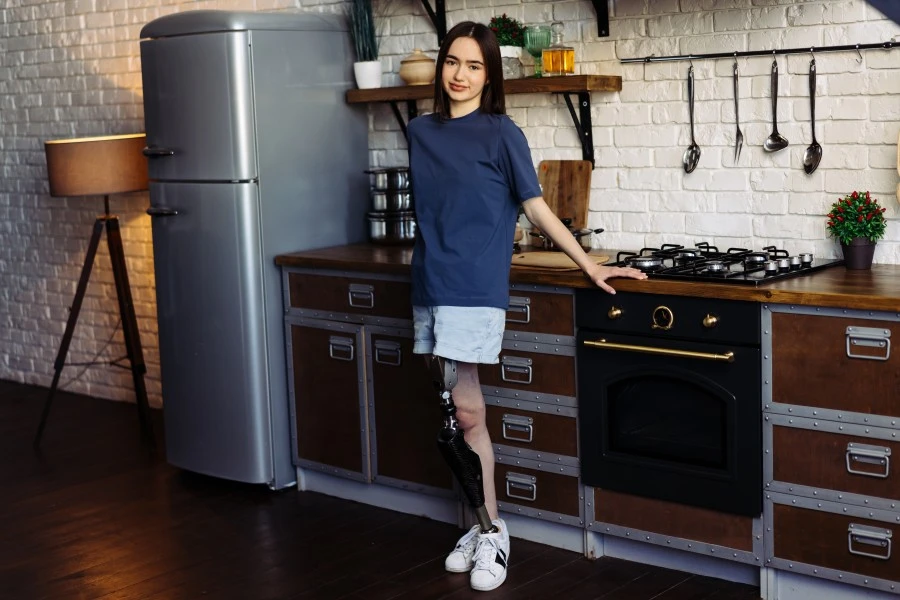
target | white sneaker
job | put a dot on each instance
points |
(460, 560)
(491, 557)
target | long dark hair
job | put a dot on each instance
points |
(493, 101)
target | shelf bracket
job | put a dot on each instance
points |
(438, 16)
(411, 113)
(602, 9)
(583, 124)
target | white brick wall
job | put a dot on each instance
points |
(73, 69)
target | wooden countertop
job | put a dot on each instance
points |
(878, 289)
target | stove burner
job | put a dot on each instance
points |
(706, 262)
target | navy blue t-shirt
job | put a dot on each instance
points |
(469, 176)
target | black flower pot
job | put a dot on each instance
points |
(858, 253)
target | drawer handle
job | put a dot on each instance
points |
(871, 455)
(519, 310)
(871, 536)
(361, 295)
(518, 428)
(869, 337)
(514, 369)
(522, 487)
(387, 353)
(340, 348)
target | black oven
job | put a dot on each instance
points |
(669, 398)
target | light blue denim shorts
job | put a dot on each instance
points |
(471, 334)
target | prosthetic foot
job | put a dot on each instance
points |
(463, 461)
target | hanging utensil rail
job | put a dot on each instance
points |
(889, 45)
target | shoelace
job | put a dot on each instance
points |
(467, 543)
(486, 553)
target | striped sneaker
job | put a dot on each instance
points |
(491, 556)
(460, 560)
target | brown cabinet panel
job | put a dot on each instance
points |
(821, 538)
(327, 397)
(810, 366)
(819, 459)
(676, 520)
(551, 433)
(537, 489)
(548, 373)
(543, 313)
(354, 295)
(407, 416)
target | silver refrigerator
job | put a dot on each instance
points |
(252, 152)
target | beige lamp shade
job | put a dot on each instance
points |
(97, 165)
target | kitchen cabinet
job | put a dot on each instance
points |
(361, 403)
(831, 430)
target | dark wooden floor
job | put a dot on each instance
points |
(96, 515)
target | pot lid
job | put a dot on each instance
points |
(417, 56)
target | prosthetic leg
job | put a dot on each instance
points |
(463, 461)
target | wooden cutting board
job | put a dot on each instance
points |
(566, 187)
(551, 260)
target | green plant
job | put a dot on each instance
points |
(856, 216)
(361, 23)
(509, 32)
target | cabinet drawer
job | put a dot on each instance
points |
(671, 519)
(837, 363)
(531, 371)
(540, 432)
(834, 540)
(540, 312)
(352, 295)
(835, 461)
(537, 489)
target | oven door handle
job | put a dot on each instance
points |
(602, 343)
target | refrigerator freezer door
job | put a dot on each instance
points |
(198, 108)
(212, 325)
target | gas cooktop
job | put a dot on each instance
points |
(735, 265)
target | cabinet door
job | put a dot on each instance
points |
(406, 414)
(327, 391)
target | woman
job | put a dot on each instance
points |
(471, 170)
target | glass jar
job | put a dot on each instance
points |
(558, 59)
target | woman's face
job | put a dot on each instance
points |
(463, 76)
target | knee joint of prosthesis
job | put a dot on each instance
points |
(444, 377)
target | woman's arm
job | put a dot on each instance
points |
(540, 215)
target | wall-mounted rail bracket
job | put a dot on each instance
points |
(582, 124)
(602, 9)
(411, 113)
(438, 16)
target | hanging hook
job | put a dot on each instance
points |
(858, 54)
(691, 60)
(812, 50)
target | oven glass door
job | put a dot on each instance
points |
(679, 424)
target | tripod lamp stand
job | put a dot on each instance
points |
(98, 166)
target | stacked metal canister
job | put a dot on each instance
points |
(392, 219)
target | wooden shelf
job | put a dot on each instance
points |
(530, 85)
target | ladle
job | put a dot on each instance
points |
(813, 153)
(775, 141)
(692, 154)
(738, 136)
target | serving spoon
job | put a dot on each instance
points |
(738, 136)
(692, 154)
(775, 141)
(813, 153)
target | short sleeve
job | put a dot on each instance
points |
(515, 158)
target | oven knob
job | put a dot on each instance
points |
(710, 321)
(614, 313)
(663, 318)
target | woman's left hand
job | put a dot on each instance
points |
(599, 274)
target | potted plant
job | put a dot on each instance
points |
(857, 222)
(511, 37)
(361, 23)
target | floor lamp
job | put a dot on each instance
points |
(93, 167)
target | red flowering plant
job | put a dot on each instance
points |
(509, 32)
(856, 216)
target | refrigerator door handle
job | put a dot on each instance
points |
(162, 211)
(156, 152)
